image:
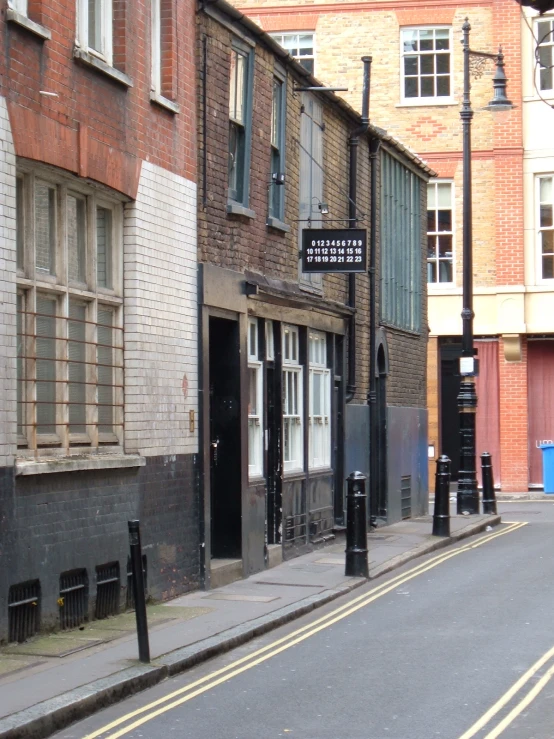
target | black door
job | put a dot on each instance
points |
(273, 389)
(450, 387)
(381, 409)
(225, 439)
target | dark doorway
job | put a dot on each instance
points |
(381, 423)
(273, 388)
(337, 420)
(225, 439)
(450, 354)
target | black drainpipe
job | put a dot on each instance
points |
(353, 142)
(372, 395)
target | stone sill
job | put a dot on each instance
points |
(236, 209)
(92, 61)
(22, 20)
(164, 102)
(49, 465)
(277, 224)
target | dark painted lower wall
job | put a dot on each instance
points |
(407, 457)
(53, 523)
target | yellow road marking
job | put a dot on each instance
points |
(292, 639)
(508, 695)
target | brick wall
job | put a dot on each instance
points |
(161, 315)
(514, 472)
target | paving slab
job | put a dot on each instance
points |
(88, 669)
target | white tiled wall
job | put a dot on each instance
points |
(160, 277)
(7, 292)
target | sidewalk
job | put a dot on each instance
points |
(52, 681)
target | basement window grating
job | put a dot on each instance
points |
(23, 610)
(406, 496)
(73, 600)
(107, 590)
(130, 601)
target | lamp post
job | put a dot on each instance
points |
(468, 495)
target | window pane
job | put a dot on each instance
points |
(431, 247)
(105, 362)
(233, 85)
(77, 369)
(306, 43)
(431, 272)
(445, 270)
(253, 391)
(426, 44)
(21, 343)
(95, 25)
(445, 246)
(308, 64)
(426, 62)
(240, 91)
(546, 189)
(104, 247)
(46, 365)
(444, 218)
(317, 409)
(443, 43)
(276, 114)
(431, 226)
(547, 268)
(410, 40)
(45, 227)
(410, 87)
(543, 34)
(443, 86)
(444, 195)
(76, 238)
(443, 63)
(546, 79)
(547, 238)
(431, 192)
(427, 87)
(410, 65)
(546, 215)
(19, 222)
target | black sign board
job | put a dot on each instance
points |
(334, 250)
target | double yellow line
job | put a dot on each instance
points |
(187, 693)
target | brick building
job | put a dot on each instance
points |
(417, 83)
(285, 358)
(98, 306)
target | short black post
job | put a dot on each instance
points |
(441, 514)
(489, 496)
(356, 527)
(138, 590)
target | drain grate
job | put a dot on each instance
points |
(107, 590)
(73, 600)
(130, 601)
(23, 610)
(406, 496)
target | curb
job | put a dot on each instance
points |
(45, 718)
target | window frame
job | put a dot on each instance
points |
(421, 100)
(276, 199)
(106, 30)
(300, 58)
(319, 426)
(33, 284)
(292, 367)
(541, 229)
(156, 46)
(437, 284)
(255, 420)
(240, 194)
(547, 43)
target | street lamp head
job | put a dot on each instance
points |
(500, 100)
(542, 6)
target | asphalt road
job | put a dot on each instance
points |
(456, 645)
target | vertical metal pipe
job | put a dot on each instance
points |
(372, 395)
(138, 591)
(489, 497)
(468, 496)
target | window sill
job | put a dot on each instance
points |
(164, 102)
(278, 225)
(293, 475)
(92, 61)
(422, 103)
(14, 17)
(76, 464)
(323, 471)
(236, 209)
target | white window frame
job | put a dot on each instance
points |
(281, 38)
(540, 229)
(293, 376)
(436, 99)
(548, 42)
(255, 420)
(320, 424)
(106, 30)
(33, 283)
(269, 341)
(156, 46)
(437, 284)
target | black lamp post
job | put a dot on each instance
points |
(468, 495)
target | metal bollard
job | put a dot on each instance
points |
(441, 513)
(356, 527)
(489, 496)
(138, 590)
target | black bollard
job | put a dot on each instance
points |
(138, 590)
(356, 527)
(441, 514)
(489, 496)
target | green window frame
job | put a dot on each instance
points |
(401, 245)
(240, 122)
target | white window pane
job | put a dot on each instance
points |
(95, 25)
(20, 222)
(253, 391)
(317, 407)
(105, 366)
(76, 238)
(45, 227)
(444, 195)
(546, 189)
(240, 94)
(104, 247)
(77, 372)
(46, 365)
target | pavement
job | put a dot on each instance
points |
(52, 681)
